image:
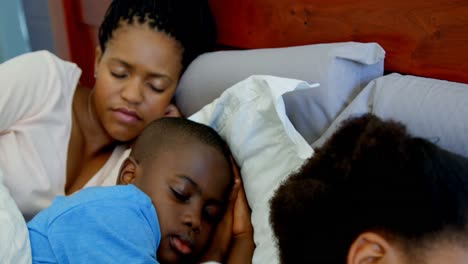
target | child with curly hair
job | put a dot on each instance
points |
(374, 194)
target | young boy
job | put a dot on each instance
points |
(172, 191)
(374, 194)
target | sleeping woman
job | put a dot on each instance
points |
(57, 137)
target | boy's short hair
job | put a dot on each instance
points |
(371, 175)
(168, 133)
(189, 22)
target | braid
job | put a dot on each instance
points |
(189, 22)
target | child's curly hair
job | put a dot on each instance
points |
(371, 175)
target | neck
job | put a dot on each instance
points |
(94, 138)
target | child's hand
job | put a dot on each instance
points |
(221, 240)
(172, 111)
(233, 237)
(242, 225)
(242, 244)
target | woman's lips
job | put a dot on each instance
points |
(126, 116)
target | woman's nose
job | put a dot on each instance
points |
(132, 91)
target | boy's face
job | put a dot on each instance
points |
(189, 187)
(136, 78)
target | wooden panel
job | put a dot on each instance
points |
(82, 19)
(426, 38)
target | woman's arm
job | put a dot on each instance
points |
(33, 85)
(35, 121)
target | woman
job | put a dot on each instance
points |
(57, 137)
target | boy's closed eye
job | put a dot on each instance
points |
(180, 195)
(213, 212)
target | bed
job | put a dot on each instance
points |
(288, 72)
(404, 60)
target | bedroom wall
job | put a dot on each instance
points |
(39, 25)
(75, 24)
(14, 39)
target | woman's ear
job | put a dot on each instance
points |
(371, 247)
(128, 171)
(97, 59)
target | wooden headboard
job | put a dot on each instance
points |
(421, 37)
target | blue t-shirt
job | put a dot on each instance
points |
(115, 224)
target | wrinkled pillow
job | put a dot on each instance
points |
(342, 69)
(14, 238)
(251, 117)
(430, 108)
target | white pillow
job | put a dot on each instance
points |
(342, 69)
(251, 117)
(430, 108)
(14, 238)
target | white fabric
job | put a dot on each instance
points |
(108, 174)
(35, 122)
(430, 108)
(251, 117)
(14, 236)
(342, 69)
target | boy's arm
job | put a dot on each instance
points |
(102, 234)
(242, 245)
(233, 238)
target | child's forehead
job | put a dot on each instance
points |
(206, 172)
(194, 154)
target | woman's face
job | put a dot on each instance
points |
(136, 77)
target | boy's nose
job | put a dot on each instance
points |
(192, 219)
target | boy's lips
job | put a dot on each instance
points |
(182, 245)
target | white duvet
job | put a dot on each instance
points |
(14, 236)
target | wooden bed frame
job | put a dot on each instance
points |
(421, 37)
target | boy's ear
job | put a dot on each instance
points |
(127, 172)
(371, 247)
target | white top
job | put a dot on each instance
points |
(35, 124)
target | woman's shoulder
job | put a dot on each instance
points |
(40, 63)
(40, 55)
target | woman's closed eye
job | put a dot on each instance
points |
(119, 75)
(155, 88)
